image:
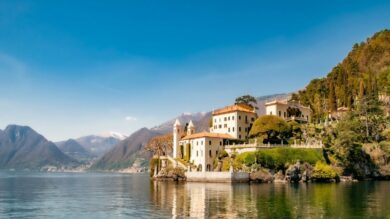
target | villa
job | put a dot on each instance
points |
(229, 130)
(229, 124)
(289, 110)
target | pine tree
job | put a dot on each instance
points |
(332, 98)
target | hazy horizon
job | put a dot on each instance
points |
(73, 69)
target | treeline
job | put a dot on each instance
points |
(363, 74)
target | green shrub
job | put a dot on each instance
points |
(323, 172)
(247, 158)
(279, 158)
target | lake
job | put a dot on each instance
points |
(99, 195)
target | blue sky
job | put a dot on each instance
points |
(72, 68)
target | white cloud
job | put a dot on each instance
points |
(130, 119)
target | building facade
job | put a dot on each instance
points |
(235, 120)
(289, 110)
(201, 149)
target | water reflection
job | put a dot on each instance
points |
(199, 200)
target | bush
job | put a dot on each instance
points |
(323, 172)
(279, 158)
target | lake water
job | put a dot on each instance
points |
(96, 195)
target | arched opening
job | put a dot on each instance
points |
(208, 167)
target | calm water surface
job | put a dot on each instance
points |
(96, 195)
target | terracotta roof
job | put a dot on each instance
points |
(207, 134)
(234, 108)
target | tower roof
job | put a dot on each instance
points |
(177, 123)
(191, 124)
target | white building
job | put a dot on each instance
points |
(289, 110)
(235, 120)
(201, 149)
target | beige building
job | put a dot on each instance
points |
(235, 120)
(201, 149)
(289, 110)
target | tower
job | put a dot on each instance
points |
(190, 128)
(176, 138)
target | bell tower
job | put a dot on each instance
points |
(176, 138)
(190, 128)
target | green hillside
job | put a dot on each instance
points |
(365, 72)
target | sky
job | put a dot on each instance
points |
(74, 68)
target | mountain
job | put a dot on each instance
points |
(127, 151)
(73, 149)
(23, 148)
(98, 145)
(111, 134)
(364, 72)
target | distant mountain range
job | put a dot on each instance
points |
(74, 149)
(126, 152)
(98, 145)
(23, 148)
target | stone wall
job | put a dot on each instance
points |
(217, 176)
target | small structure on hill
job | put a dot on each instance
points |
(289, 110)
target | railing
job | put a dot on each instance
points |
(260, 146)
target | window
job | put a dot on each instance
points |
(220, 143)
(284, 114)
(239, 137)
(225, 125)
(252, 119)
(210, 153)
(197, 153)
(196, 143)
(232, 117)
(220, 126)
(209, 142)
(201, 153)
(233, 129)
(239, 129)
(270, 113)
(224, 119)
(280, 113)
(215, 120)
(239, 117)
(216, 153)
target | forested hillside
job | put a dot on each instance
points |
(365, 72)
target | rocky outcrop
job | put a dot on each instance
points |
(293, 173)
(171, 173)
(262, 175)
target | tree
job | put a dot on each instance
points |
(160, 145)
(332, 98)
(294, 111)
(247, 100)
(272, 128)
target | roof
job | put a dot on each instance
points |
(177, 123)
(191, 124)
(286, 102)
(234, 108)
(208, 135)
